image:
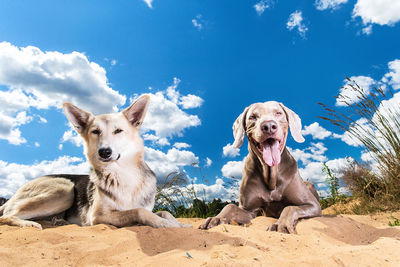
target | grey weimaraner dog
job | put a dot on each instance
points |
(271, 182)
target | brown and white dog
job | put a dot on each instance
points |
(271, 183)
(120, 189)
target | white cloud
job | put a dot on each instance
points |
(367, 30)
(329, 4)
(198, 22)
(382, 12)
(351, 96)
(161, 141)
(49, 78)
(296, 21)
(233, 169)
(73, 137)
(208, 162)
(180, 145)
(13, 175)
(9, 127)
(313, 171)
(40, 80)
(190, 101)
(262, 5)
(316, 131)
(393, 76)
(217, 190)
(149, 3)
(173, 161)
(230, 151)
(315, 152)
(37, 144)
(205, 192)
(165, 116)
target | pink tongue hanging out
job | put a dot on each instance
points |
(271, 153)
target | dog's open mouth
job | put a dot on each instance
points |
(270, 150)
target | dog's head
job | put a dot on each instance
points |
(110, 138)
(266, 126)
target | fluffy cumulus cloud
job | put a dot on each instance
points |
(172, 161)
(382, 12)
(220, 189)
(262, 5)
(180, 145)
(41, 80)
(296, 22)
(329, 4)
(15, 175)
(392, 77)
(349, 95)
(230, 151)
(317, 131)
(165, 116)
(217, 190)
(233, 169)
(313, 171)
(315, 152)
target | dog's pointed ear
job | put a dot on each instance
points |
(79, 118)
(294, 124)
(239, 128)
(136, 112)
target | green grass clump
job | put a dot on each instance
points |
(395, 221)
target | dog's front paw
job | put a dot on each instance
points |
(31, 224)
(282, 227)
(165, 223)
(211, 222)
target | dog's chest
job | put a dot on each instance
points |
(131, 191)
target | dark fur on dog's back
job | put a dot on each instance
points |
(83, 190)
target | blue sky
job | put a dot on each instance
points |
(202, 62)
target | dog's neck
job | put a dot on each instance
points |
(123, 175)
(270, 173)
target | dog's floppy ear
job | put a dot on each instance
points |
(239, 129)
(135, 113)
(294, 124)
(78, 117)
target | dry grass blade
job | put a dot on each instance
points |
(375, 124)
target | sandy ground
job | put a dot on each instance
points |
(343, 240)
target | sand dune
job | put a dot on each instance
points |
(344, 240)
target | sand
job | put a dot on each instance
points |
(343, 240)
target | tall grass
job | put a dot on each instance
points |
(375, 124)
(180, 198)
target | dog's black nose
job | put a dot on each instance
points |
(269, 127)
(105, 152)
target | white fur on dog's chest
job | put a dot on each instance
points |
(131, 190)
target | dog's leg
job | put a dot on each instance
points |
(291, 214)
(229, 214)
(135, 216)
(166, 215)
(39, 198)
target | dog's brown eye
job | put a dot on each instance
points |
(117, 131)
(253, 117)
(278, 113)
(96, 132)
